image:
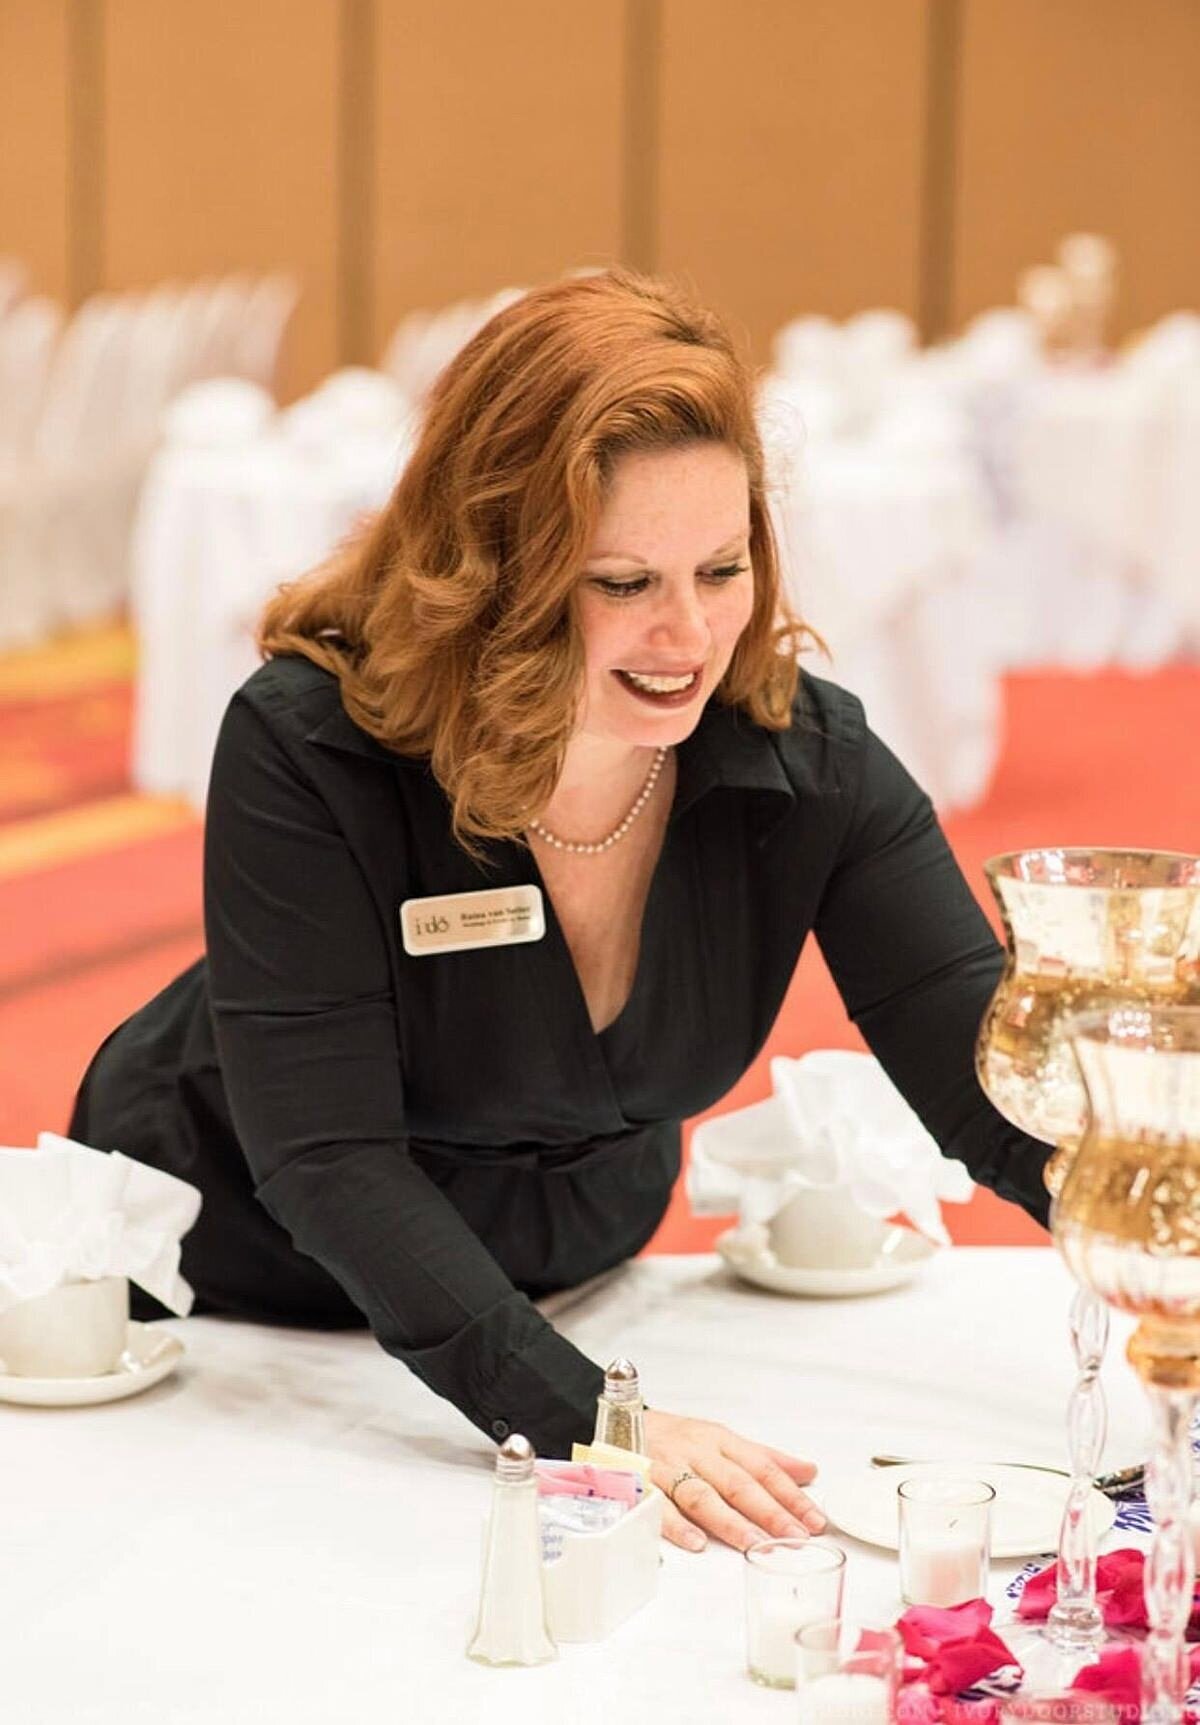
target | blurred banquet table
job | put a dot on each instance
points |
(880, 547)
(1102, 466)
(218, 529)
(289, 1529)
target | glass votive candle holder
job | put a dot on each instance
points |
(847, 1673)
(789, 1582)
(945, 1539)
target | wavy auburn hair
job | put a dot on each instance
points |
(451, 622)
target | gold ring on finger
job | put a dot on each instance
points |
(684, 1474)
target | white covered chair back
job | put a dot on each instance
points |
(351, 403)
(266, 315)
(219, 413)
(29, 334)
(423, 343)
(807, 347)
(13, 281)
(82, 364)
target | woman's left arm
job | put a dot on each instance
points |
(916, 963)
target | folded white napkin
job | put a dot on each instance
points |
(836, 1119)
(70, 1213)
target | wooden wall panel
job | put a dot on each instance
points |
(1079, 114)
(34, 161)
(498, 145)
(792, 154)
(221, 142)
(782, 153)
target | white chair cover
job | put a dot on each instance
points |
(355, 400)
(13, 282)
(79, 418)
(29, 333)
(807, 347)
(267, 316)
(217, 413)
(423, 343)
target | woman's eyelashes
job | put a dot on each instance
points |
(620, 589)
(626, 589)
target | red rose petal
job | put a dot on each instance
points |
(925, 1628)
(1039, 1594)
(960, 1663)
(1117, 1676)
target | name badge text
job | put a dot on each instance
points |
(463, 921)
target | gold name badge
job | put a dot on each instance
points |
(462, 921)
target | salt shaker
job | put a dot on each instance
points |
(511, 1629)
(620, 1414)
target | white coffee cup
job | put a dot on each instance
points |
(77, 1330)
(822, 1228)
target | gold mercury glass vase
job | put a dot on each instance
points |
(1127, 1220)
(1085, 929)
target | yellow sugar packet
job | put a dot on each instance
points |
(607, 1455)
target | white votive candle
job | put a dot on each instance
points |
(845, 1698)
(771, 1653)
(790, 1583)
(945, 1527)
(943, 1572)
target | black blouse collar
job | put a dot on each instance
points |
(726, 749)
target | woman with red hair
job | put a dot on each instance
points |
(512, 846)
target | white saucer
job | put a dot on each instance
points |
(765, 1271)
(1026, 1516)
(151, 1354)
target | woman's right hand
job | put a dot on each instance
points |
(728, 1486)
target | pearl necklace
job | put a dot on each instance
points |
(618, 832)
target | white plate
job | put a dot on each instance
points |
(1026, 1516)
(150, 1355)
(766, 1272)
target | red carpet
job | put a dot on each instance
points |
(100, 891)
(64, 724)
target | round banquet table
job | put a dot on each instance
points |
(217, 531)
(288, 1530)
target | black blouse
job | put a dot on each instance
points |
(445, 1135)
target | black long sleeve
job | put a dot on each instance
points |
(307, 1034)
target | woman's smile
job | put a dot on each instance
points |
(662, 689)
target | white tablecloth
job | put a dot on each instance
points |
(880, 549)
(1093, 551)
(218, 530)
(287, 1532)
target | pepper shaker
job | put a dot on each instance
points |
(620, 1412)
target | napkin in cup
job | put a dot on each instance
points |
(835, 1121)
(69, 1213)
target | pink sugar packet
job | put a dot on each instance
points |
(584, 1479)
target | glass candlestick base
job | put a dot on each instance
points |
(1049, 1665)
